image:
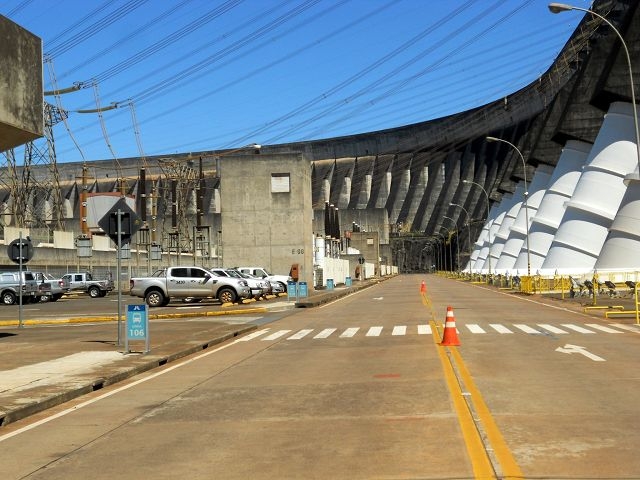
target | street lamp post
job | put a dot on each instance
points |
(444, 250)
(489, 229)
(526, 196)
(457, 242)
(561, 7)
(436, 253)
(468, 230)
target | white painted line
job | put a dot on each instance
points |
(300, 334)
(424, 329)
(551, 328)
(325, 333)
(571, 349)
(349, 332)
(500, 328)
(577, 328)
(253, 335)
(374, 332)
(526, 328)
(275, 335)
(602, 328)
(629, 328)
(399, 330)
(475, 328)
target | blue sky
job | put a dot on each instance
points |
(212, 74)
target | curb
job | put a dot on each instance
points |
(101, 382)
(113, 318)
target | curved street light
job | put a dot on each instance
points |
(526, 195)
(562, 7)
(457, 242)
(489, 229)
(468, 230)
(442, 251)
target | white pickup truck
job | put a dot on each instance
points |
(187, 282)
(84, 282)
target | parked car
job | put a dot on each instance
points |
(277, 288)
(10, 282)
(258, 287)
(187, 283)
(260, 272)
(57, 286)
(84, 282)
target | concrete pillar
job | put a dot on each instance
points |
(496, 249)
(520, 228)
(502, 235)
(597, 196)
(564, 179)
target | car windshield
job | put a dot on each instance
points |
(234, 273)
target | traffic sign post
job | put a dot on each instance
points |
(20, 251)
(137, 326)
(121, 220)
(120, 223)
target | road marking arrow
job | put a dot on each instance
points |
(568, 348)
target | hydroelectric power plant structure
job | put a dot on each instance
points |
(542, 182)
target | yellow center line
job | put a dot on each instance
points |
(477, 450)
(480, 462)
(510, 468)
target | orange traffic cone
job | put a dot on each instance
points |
(423, 287)
(450, 336)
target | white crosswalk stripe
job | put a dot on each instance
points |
(301, 334)
(473, 328)
(374, 332)
(577, 328)
(630, 328)
(424, 329)
(325, 333)
(399, 330)
(526, 328)
(602, 328)
(500, 328)
(275, 335)
(552, 329)
(253, 335)
(349, 332)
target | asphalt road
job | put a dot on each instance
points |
(360, 388)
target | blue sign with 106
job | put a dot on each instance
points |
(137, 326)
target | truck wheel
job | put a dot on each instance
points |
(154, 298)
(8, 298)
(94, 292)
(226, 295)
(283, 285)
